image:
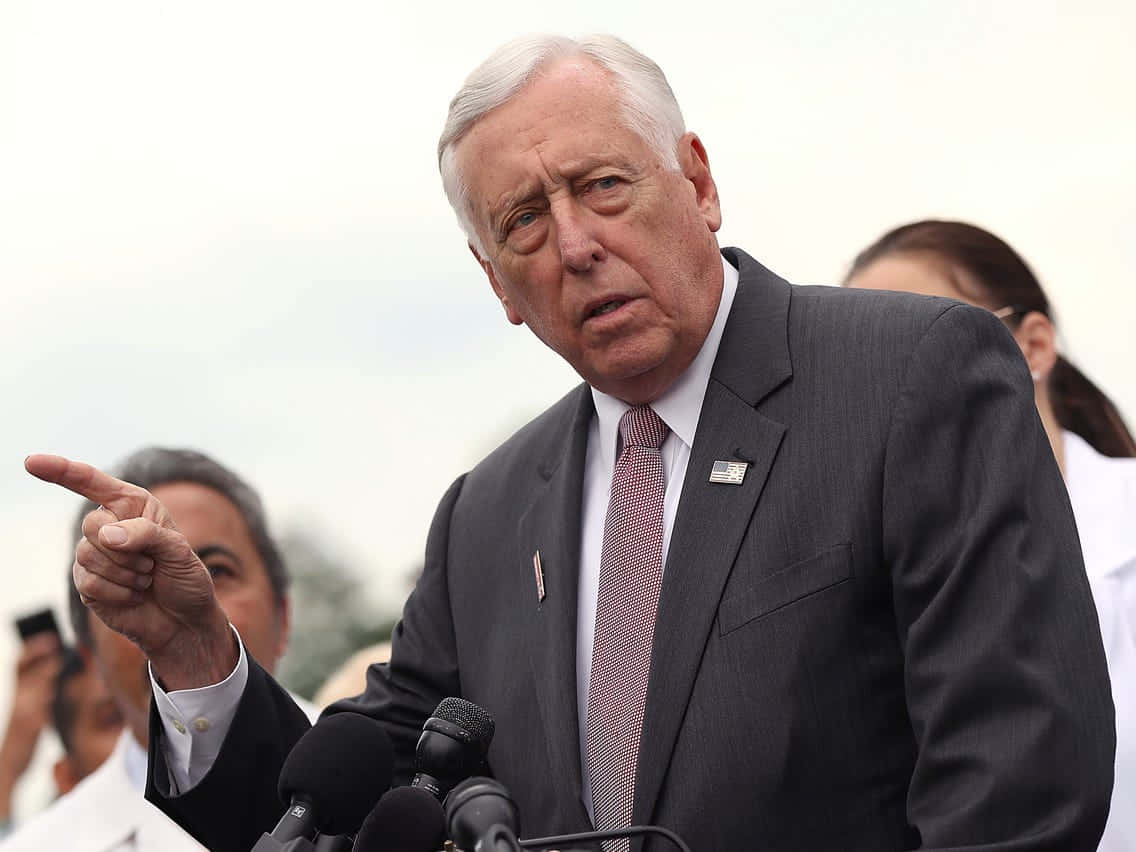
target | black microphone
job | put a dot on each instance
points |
(330, 778)
(406, 819)
(453, 745)
(482, 817)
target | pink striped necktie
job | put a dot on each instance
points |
(631, 573)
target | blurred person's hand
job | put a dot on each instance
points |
(138, 574)
(36, 670)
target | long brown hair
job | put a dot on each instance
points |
(1007, 281)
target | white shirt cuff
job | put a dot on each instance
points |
(196, 721)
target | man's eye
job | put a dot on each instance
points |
(606, 183)
(216, 570)
(523, 220)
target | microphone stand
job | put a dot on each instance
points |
(562, 840)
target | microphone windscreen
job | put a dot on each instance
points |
(406, 819)
(469, 717)
(340, 765)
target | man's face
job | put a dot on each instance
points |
(606, 255)
(216, 530)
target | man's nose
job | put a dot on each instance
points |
(575, 233)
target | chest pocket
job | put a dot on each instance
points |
(799, 580)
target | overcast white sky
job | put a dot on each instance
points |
(221, 223)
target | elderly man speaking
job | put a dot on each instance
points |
(770, 577)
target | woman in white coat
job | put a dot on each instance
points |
(1093, 446)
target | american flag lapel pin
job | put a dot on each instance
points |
(728, 472)
(539, 572)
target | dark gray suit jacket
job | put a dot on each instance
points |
(883, 639)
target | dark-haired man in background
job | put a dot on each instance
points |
(771, 577)
(223, 521)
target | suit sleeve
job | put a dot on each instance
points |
(1005, 675)
(236, 801)
(423, 667)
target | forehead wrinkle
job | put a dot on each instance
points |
(538, 185)
(581, 166)
(504, 134)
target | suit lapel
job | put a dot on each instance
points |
(752, 361)
(552, 527)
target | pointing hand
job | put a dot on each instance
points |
(139, 575)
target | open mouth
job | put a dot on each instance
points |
(607, 308)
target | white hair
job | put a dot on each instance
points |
(649, 105)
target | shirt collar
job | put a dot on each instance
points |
(681, 405)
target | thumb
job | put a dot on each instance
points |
(141, 535)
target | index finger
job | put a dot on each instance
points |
(121, 498)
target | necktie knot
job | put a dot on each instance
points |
(642, 427)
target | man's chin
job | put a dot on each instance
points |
(635, 381)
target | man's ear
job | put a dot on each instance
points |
(1038, 339)
(695, 165)
(510, 313)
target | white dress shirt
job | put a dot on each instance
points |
(1103, 493)
(196, 721)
